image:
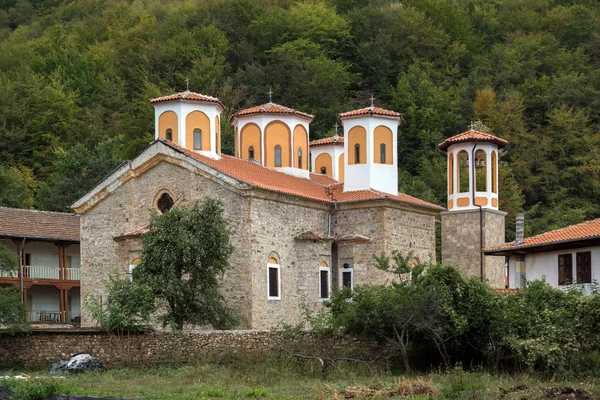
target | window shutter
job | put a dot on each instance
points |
(584, 267)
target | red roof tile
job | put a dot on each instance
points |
(133, 233)
(44, 225)
(187, 95)
(506, 291)
(472, 136)
(328, 140)
(271, 108)
(313, 235)
(585, 230)
(319, 187)
(371, 111)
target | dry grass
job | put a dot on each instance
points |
(403, 387)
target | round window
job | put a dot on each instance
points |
(164, 203)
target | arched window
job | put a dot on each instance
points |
(347, 276)
(197, 139)
(324, 170)
(357, 153)
(251, 153)
(450, 173)
(169, 134)
(300, 157)
(382, 153)
(480, 171)
(273, 279)
(463, 171)
(278, 156)
(132, 266)
(164, 203)
(494, 173)
(324, 281)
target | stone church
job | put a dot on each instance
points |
(299, 228)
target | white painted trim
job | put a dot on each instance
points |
(131, 268)
(341, 277)
(278, 267)
(328, 270)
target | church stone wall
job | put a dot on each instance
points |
(389, 229)
(461, 243)
(274, 227)
(129, 207)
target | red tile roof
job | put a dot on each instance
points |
(41, 225)
(271, 108)
(328, 140)
(371, 111)
(506, 291)
(585, 230)
(318, 187)
(472, 136)
(187, 95)
(313, 235)
(133, 233)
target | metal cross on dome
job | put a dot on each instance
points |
(270, 95)
(336, 127)
(472, 125)
(187, 83)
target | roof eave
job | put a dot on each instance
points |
(537, 248)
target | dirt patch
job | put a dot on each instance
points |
(565, 393)
(403, 388)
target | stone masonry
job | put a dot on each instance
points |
(263, 224)
(461, 243)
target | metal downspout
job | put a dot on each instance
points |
(473, 177)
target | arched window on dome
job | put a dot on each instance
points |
(382, 153)
(197, 139)
(299, 157)
(357, 153)
(169, 134)
(278, 156)
(480, 171)
(324, 170)
(462, 178)
(251, 153)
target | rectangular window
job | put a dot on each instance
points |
(584, 267)
(324, 283)
(565, 269)
(273, 282)
(131, 268)
(27, 259)
(347, 278)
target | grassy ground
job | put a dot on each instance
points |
(271, 379)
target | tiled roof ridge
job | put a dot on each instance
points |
(513, 244)
(372, 110)
(270, 108)
(188, 95)
(61, 213)
(472, 135)
(335, 139)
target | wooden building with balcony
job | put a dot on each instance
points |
(48, 247)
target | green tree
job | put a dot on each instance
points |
(128, 306)
(13, 316)
(17, 187)
(9, 260)
(184, 255)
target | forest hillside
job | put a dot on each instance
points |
(76, 78)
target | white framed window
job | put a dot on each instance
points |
(324, 281)
(131, 268)
(273, 280)
(347, 277)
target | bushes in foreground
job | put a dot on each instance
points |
(435, 315)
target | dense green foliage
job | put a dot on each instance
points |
(76, 77)
(9, 260)
(13, 316)
(128, 306)
(184, 256)
(538, 329)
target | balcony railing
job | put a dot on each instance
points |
(40, 272)
(45, 316)
(73, 274)
(37, 272)
(9, 274)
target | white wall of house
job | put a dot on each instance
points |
(74, 253)
(43, 254)
(44, 298)
(544, 266)
(75, 307)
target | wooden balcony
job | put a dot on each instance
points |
(37, 272)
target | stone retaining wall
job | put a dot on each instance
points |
(40, 348)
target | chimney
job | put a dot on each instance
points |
(520, 228)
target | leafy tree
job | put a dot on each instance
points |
(128, 306)
(16, 187)
(184, 255)
(13, 316)
(9, 260)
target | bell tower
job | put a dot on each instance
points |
(473, 221)
(371, 149)
(190, 120)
